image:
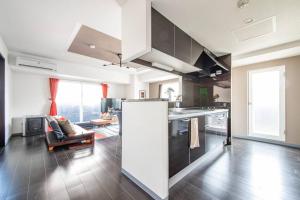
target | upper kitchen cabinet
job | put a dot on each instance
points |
(183, 45)
(148, 36)
(162, 33)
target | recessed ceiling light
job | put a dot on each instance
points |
(248, 20)
(242, 3)
(92, 46)
(161, 66)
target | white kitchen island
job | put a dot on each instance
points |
(145, 155)
(145, 144)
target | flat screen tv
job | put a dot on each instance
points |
(114, 103)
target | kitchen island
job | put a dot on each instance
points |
(156, 150)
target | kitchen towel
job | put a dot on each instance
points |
(194, 143)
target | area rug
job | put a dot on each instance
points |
(105, 132)
(99, 136)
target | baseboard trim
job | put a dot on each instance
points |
(268, 141)
(142, 186)
(16, 134)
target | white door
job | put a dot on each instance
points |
(266, 103)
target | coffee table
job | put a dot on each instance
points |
(101, 122)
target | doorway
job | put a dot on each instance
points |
(2, 101)
(266, 103)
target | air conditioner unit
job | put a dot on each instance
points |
(31, 63)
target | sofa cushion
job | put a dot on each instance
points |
(67, 127)
(80, 133)
(56, 130)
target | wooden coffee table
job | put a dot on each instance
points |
(101, 122)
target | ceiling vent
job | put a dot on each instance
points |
(36, 64)
(257, 29)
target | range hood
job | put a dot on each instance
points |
(209, 64)
(150, 38)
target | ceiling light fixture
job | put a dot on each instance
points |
(92, 46)
(242, 3)
(161, 66)
(248, 20)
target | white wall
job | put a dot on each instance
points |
(133, 89)
(30, 96)
(75, 70)
(4, 53)
(239, 114)
(117, 91)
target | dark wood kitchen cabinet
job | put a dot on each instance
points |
(171, 40)
(212, 132)
(183, 46)
(162, 33)
(179, 151)
(200, 151)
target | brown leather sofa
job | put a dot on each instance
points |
(82, 139)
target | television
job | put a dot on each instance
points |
(114, 103)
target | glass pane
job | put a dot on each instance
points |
(69, 99)
(169, 91)
(91, 101)
(265, 115)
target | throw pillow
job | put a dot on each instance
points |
(56, 130)
(59, 118)
(67, 127)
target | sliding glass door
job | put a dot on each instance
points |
(79, 101)
(91, 101)
(266, 103)
(69, 100)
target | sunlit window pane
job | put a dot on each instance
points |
(78, 101)
(91, 101)
(69, 100)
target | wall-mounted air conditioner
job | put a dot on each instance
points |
(30, 63)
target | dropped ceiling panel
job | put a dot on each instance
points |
(106, 46)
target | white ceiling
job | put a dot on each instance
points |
(212, 22)
(46, 28)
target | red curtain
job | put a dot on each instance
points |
(53, 92)
(104, 90)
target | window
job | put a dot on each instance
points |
(78, 101)
(91, 101)
(169, 91)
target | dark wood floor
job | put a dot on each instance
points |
(246, 170)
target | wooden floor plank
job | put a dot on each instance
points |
(245, 170)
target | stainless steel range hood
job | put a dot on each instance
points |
(209, 63)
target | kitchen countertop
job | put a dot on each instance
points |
(173, 115)
(145, 100)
